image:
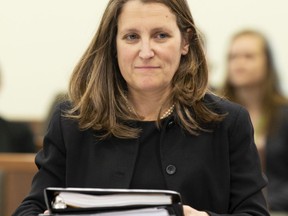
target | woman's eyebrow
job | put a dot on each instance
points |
(156, 29)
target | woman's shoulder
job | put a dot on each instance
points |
(64, 105)
(61, 112)
(231, 111)
(61, 121)
(220, 104)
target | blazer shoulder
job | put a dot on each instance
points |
(231, 110)
(60, 117)
(221, 105)
(64, 106)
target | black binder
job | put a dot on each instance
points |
(102, 202)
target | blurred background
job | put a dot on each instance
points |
(41, 41)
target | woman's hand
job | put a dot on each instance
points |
(46, 212)
(188, 211)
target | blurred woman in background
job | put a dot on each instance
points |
(252, 81)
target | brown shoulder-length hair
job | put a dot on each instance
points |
(97, 89)
(273, 97)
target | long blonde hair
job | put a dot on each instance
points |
(97, 89)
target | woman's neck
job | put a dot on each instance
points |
(250, 97)
(148, 105)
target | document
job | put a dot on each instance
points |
(134, 212)
(80, 200)
(99, 201)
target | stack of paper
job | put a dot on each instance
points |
(80, 200)
(105, 202)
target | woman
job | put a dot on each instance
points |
(140, 117)
(252, 81)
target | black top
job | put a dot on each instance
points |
(148, 173)
(277, 163)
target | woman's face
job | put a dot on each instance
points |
(149, 46)
(247, 62)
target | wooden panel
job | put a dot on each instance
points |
(17, 173)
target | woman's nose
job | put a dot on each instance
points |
(146, 50)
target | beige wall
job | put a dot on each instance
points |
(41, 41)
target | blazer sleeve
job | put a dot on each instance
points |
(51, 169)
(246, 177)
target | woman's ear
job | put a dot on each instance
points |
(186, 41)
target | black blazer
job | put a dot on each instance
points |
(217, 171)
(276, 162)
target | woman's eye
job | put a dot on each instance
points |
(161, 35)
(131, 37)
(231, 57)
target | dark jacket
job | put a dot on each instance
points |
(276, 162)
(217, 171)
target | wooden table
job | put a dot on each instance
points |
(17, 171)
